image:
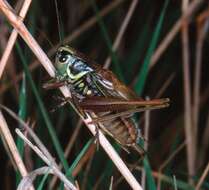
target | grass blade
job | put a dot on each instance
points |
(76, 161)
(139, 86)
(22, 115)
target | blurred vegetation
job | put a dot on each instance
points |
(21, 90)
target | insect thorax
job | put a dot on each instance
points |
(84, 87)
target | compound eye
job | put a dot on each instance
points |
(63, 58)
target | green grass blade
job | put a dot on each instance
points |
(139, 86)
(109, 167)
(77, 160)
(43, 181)
(179, 183)
(48, 123)
(149, 178)
(22, 115)
(23, 100)
(134, 55)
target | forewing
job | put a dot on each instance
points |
(110, 86)
(103, 104)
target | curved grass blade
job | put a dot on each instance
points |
(43, 181)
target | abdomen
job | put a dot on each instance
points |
(124, 130)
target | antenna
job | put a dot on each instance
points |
(58, 22)
(45, 37)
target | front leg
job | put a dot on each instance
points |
(56, 82)
(62, 102)
(53, 84)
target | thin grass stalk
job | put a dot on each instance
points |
(4, 130)
(197, 84)
(166, 179)
(12, 146)
(27, 181)
(13, 38)
(68, 149)
(203, 176)
(85, 158)
(174, 183)
(165, 85)
(92, 21)
(107, 40)
(174, 31)
(167, 161)
(87, 171)
(45, 157)
(111, 183)
(80, 158)
(204, 143)
(22, 30)
(203, 26)
(122, 30)
(189, 131)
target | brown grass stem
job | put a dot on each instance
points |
(13, 38)
(122, 30)
(167, 161)
(189, 130)
(68, 149)
(204, 144)
(203, 27)
(173, 32)
(8, 139)
(5, 132)
(45, 158)
(202, 178)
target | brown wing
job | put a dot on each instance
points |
(119, 88)
(103, 104)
